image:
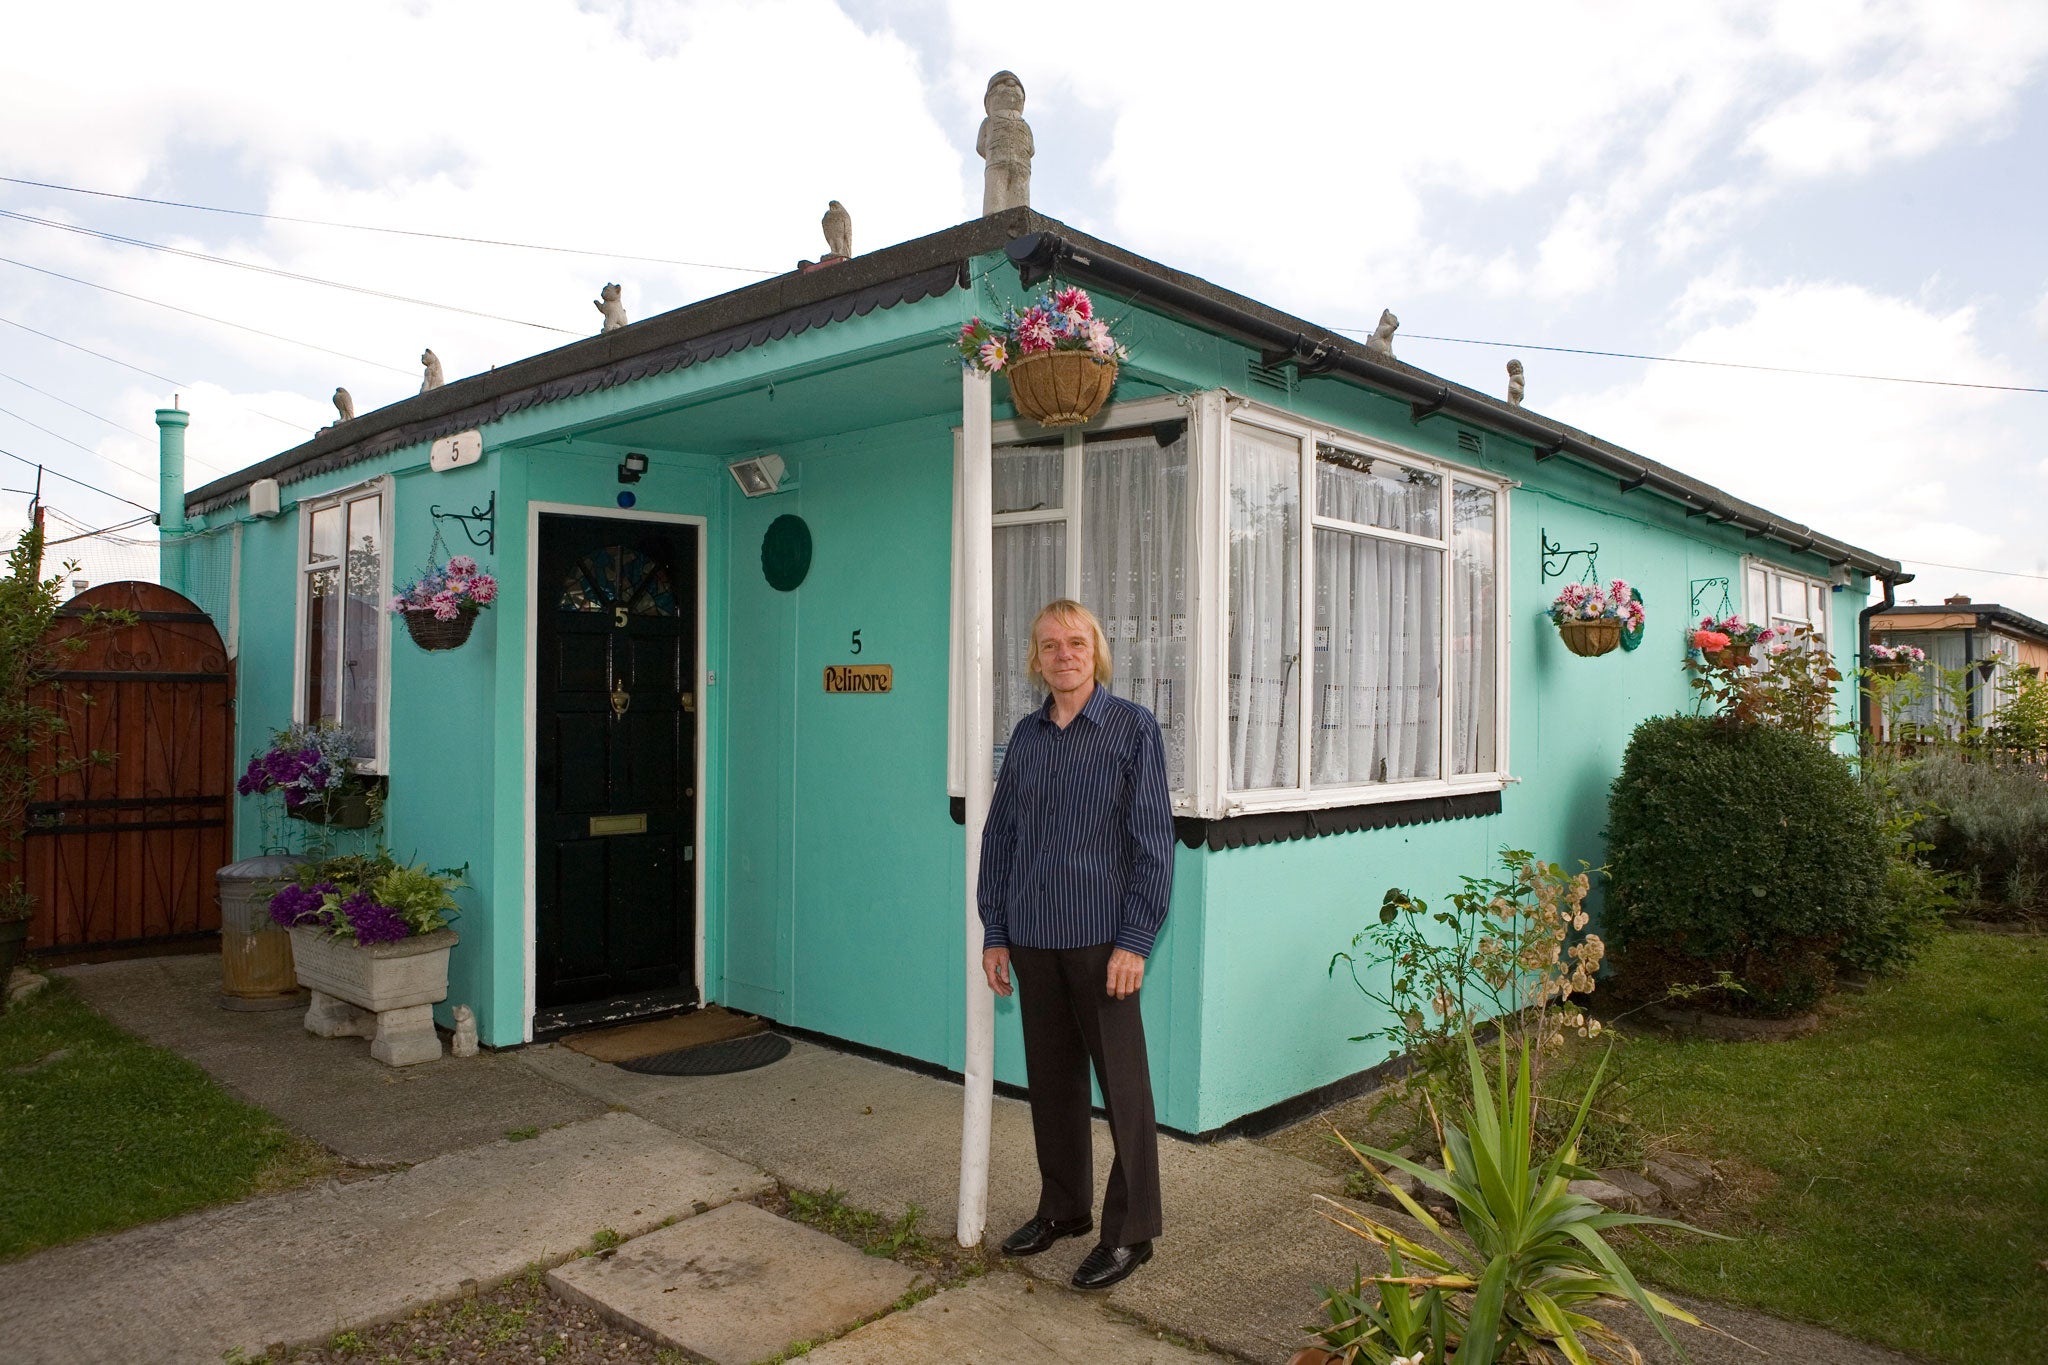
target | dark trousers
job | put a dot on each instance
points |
(1070, 1021)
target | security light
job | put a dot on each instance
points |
(758, 476)
(632, 467)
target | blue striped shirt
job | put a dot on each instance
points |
(1078, 849)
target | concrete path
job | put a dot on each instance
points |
(735, 1285)
(1004, 1319)
(1238, 1268)
(326, 1088)
(298, 1267)
(1244, 1255)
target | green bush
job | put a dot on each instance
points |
(1748, 849)
(1987, 822)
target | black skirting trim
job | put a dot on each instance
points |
(1271, 827)
(1242, 831)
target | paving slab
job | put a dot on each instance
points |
(298, 1267)
(1004, 1319)
(735, 1285)
(1239, 1266)
(329, 1089)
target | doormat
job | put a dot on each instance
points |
(714, 1059)
(626, 1042)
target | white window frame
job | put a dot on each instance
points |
(1304, 795)
(1762, 612)
(1142, 412)
(381, 487)
(1209, 415)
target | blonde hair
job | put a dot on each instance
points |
(1067, 611)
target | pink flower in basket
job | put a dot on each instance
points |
(1073, 302)
(993, 355)
(483, 590)
(1034, 332)
(445, 607)
(462, 566)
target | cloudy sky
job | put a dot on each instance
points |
(1818, 185)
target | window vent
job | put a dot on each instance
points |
(1279, 377)
(1471, 442)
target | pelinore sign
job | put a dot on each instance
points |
(859, 678)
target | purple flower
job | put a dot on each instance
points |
(372, 922)
(299, 904)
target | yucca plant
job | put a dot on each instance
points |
(1533, 1256)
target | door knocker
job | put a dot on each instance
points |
(622, 700)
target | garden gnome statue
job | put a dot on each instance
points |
(1380, 345)
(432, 379)
(1515, 383)
(344, 405)
(613, 308)
(1004, 142)
(838, 225)
(463, 1044)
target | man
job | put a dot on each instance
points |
(1076, 869)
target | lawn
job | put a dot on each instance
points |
(99, 1131)
(1893, 1163)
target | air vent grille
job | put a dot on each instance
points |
(1471, 442)
(1277, 377)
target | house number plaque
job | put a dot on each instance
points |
(860, 678)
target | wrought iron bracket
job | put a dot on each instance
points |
(1557, 559)
(1702, 586)
(487, 538)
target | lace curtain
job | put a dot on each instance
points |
(1133, 510)
(1378, 625)
(1265, 612)
(1475, 631)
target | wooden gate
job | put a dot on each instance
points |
(126, 852)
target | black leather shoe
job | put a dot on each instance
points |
(1106, 1265)
(1040, 1233)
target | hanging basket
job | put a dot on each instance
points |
(1590, 639)
(1060, 388)
(429, 631)
(348, 810)
(1891, 668)
(1735, 656)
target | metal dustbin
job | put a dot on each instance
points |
(256, 955)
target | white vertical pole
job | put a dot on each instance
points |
(976, 562)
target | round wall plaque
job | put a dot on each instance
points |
(786, 553)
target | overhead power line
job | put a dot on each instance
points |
(1964, 568)
(1716, 364)
(205, 317)
(74, 407)
(277, 271)
(59, 474)
(174, 383)
(391, 231)
(58, 435)
(86, 532)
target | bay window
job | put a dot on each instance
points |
(1399, 680)
(1347, 643)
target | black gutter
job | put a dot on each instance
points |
(1864, 703)
(1037, 254)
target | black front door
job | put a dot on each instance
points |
(616, 801)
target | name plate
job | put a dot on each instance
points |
(860, 678)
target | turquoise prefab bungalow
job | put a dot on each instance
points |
(709, 743)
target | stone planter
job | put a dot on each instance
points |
(384, 992)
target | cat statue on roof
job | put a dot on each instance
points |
(612, 306)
